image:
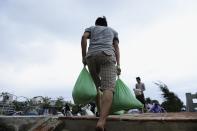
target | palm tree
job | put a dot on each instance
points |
(172, 102)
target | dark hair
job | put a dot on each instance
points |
(138, 78)
(101, 21)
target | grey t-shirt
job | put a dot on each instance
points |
(101, 40)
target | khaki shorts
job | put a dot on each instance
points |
(103, 70)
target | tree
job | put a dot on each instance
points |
(59, 103)
(46, 102)
(19, 106)
(171, 101)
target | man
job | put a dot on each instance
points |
(101, 58)
(139, 91)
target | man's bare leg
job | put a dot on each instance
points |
(106, 102)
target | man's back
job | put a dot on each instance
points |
(101, 39)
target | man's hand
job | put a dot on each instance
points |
(84, 61)
(118, 70)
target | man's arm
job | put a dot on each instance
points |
(143, 87)
(84, 38)
(117, 53)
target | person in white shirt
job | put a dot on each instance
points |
(139, 91)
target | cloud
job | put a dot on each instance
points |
(53, 78)
(63, 59)
(40, 43)
(163, 51)
(167, 44)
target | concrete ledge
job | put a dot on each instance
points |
(131, 122)
(142, 117)
(136, 122)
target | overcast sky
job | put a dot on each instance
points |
(40, 51)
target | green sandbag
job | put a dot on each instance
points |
(84, 90)
(118, 112)
(123, 98)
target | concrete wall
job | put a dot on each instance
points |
(190, 105)
(88, 125)
(134, 122)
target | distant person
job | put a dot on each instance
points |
(139, 92)
(66, 110)
(156, 108)
(101, 58)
